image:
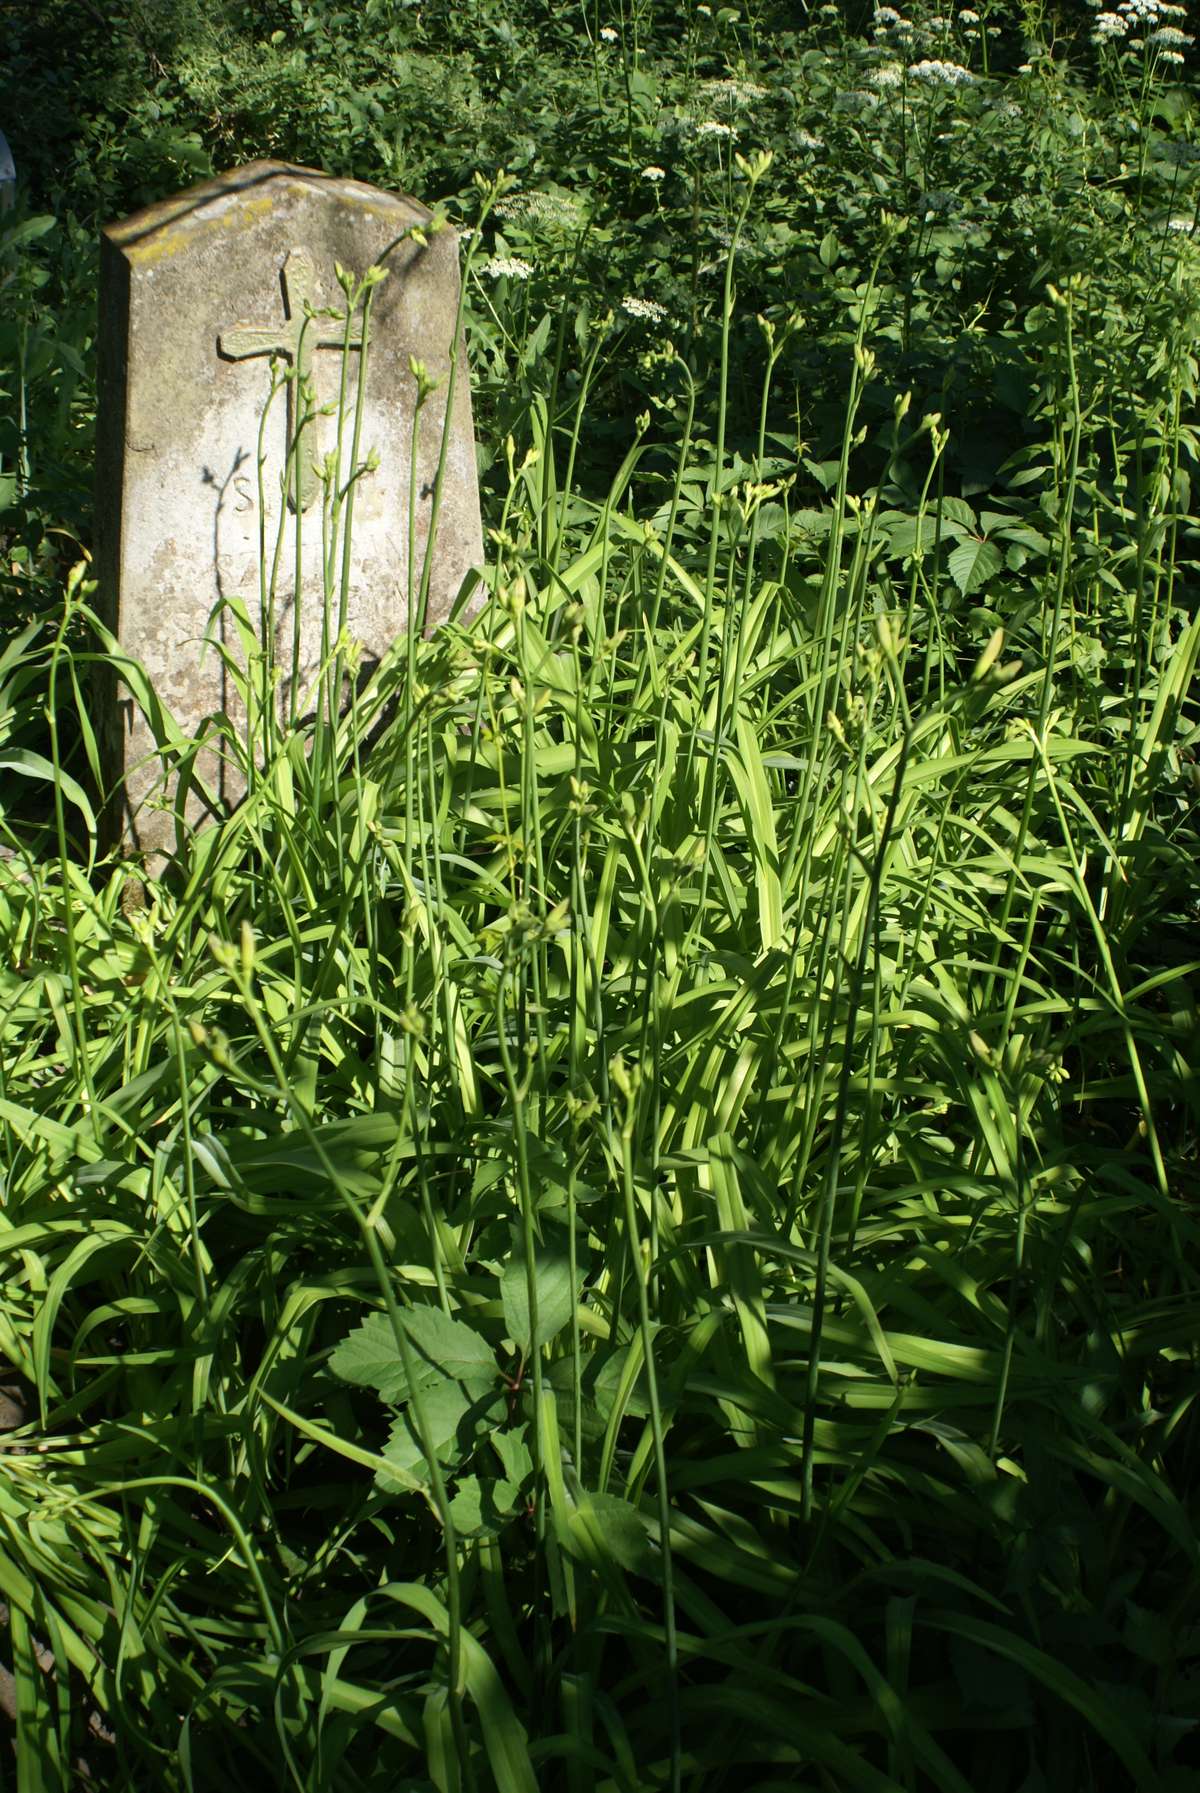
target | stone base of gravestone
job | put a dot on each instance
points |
(206, 300)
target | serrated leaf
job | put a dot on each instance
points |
(973, 563)
(480, 1508)
(914, 535)
(370, 1358)
(466, 1508)
(514, 1454)
(451, 1346)
(442, 1347)
(555, 1297)
(455, 1420)
(957, 510)
(444, 1407)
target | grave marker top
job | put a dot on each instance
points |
(295, 341)
(198, 295)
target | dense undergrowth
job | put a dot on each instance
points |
(641, 1234)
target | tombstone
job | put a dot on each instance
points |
(8, 175)
(206, 300)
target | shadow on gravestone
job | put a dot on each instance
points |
(202, 298)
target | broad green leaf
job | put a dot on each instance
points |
(370, 1357)
(958, 511)
(27, 231)
(514, 1454)
(913, 535)
(973, 563)
(451, 1346)
(603, 1526)
(442, 1348)
(444, 1407)
(554, 1295)
(481, 1508)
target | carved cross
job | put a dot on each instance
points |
(295, 340)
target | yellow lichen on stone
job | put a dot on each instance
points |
(169, 239)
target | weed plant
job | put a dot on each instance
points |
(641, 1233)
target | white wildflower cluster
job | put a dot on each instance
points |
(942, 74)
(1186, 225)
(892, 28)
(551, 211)
(1150, 12)
(733, 92)
(507, 267)
(649, 310)
(968, 17)
(654, 173)
(1148, 17)
(711, 127)
(889, 74)
(806, 140)
(608, 35)
(856, 99)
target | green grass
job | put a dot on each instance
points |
(642, 1233)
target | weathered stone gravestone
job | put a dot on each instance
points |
(8, 174)
(206, 301)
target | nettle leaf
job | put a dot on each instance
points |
(555, 1296)
(973, 563)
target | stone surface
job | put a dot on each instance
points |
(8, 174)
(201, 297)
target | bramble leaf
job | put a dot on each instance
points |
(973, 563)
(555, 1296)
(442, 1348)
